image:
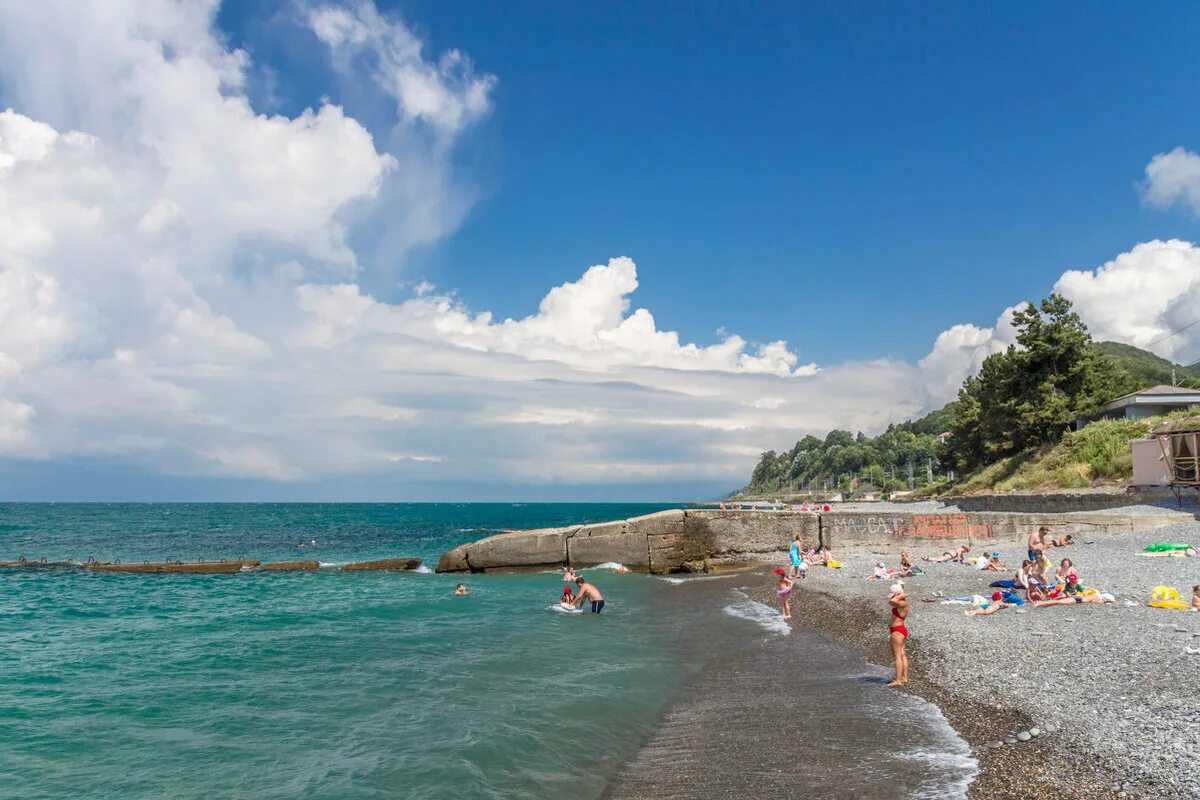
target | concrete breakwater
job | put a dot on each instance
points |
(704, 540)
(210, 567)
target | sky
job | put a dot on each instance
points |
(355, 250)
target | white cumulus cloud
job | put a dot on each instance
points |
(1173, 178)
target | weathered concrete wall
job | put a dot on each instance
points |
(849, 528)
(1055, 502)
(704, 540)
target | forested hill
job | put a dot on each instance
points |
(1144, 368)
(841, 460)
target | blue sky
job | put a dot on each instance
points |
(344, 249)
(788, 169)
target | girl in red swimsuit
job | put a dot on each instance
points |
(898, 632)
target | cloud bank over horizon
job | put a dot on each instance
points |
(179, 292)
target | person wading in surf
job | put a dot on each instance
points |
(589, 592)
(898, 632)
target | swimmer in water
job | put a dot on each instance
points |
(569, 576)
(460, 590)
(898, 632)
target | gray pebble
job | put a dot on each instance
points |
(1035, 731)
(1024, 736)
(1010, 741)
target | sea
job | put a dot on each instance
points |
(341, 685)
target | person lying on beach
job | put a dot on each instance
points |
(1075, 599)
(1063, 541)
(1196, 597)
(956, 556)
(882, 573)
(989, 607)
(589, 592)
(460, 590)
(898, 631)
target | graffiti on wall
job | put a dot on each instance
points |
(922, 526)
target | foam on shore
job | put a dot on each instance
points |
(767, 618)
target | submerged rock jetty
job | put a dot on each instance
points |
(221, 567)
(704, 540)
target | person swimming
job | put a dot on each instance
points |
(460, 590)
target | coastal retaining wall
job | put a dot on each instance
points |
(706, 540)
(1056, 502)
(852, 528)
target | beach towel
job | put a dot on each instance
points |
(1007, 583)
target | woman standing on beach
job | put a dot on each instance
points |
(898, 632)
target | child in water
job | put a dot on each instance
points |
(460, 590)
(568, 599)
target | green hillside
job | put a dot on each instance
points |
(842, 460)
(1142, 368)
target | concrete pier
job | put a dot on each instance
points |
(702, 540)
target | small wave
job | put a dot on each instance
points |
(613, 565)
(675, 581)
(950, 761)
(424, 570)
(762, 615)
(332, 564)
(958, 769)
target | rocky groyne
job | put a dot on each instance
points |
(704, 540)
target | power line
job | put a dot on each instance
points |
(1172, 333)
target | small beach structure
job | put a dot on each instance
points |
(1152, 402)
(1179, 441)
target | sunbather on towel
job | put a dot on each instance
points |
(957, 556)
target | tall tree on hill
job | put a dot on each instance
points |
(1028, 395)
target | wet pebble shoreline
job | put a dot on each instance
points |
(1112, 689)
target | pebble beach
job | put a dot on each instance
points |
(1108, 697)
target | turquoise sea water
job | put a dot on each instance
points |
(315, 685)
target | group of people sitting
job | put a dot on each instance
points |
(801, 558)
(1042, 583)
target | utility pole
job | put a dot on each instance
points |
(910, 476)
(929, 470)
(1173, 381)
